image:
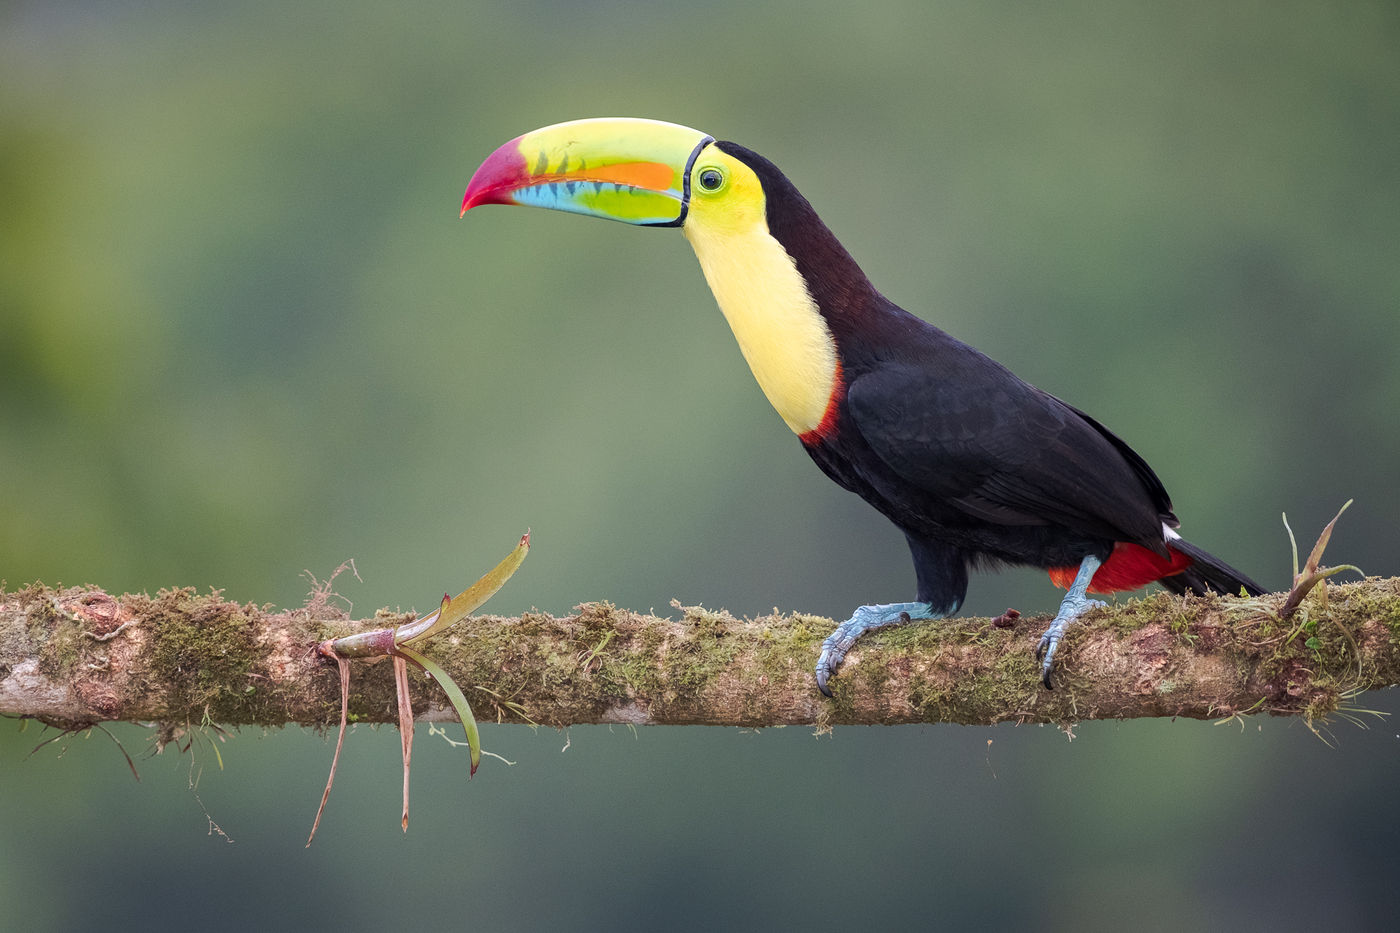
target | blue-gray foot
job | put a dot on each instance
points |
(1074, 605)
(865, 619)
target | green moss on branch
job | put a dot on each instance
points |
(79, 655)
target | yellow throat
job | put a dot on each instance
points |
(780, 331)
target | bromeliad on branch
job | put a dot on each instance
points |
(973, 465)
(402, 644)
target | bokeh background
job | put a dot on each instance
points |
(243, 334)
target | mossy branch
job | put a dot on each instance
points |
(77, 656)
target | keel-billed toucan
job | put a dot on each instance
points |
(974, 465)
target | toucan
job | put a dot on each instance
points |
(977, 467)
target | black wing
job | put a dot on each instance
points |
(964, 430)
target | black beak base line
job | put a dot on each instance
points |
(685, 184)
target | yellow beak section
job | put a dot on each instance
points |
(619, 168)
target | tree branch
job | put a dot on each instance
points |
(77, 656)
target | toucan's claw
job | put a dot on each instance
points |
(1074, 605)
(833, 653)
(1045, 651)
(864, 619)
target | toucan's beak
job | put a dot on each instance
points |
(619, 168)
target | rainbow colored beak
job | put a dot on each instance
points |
(618, 168)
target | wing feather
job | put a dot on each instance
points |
(965, 430)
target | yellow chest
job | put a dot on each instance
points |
(783, 336)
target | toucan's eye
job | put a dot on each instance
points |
(711, 179)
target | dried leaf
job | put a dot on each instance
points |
(344, 666)
(405, 726)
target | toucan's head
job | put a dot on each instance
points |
(643, 172)
(766, 256)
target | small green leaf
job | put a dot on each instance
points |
(455, 696)
(464, 603)
(1313, 643)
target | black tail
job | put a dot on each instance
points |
(1208, 572)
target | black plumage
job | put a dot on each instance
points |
(973, 464)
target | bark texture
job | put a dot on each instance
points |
(77, 656)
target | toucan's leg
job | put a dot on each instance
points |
(865, 619)
(1074, 605)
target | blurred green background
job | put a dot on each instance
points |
(243, 333)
